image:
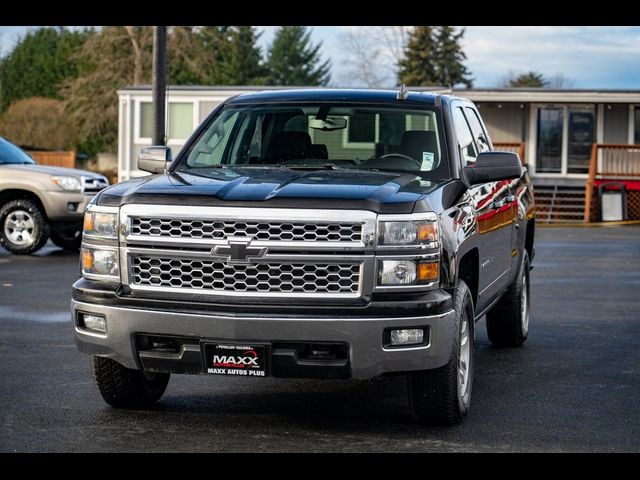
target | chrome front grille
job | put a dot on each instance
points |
(259, 230)
(271, 254)
(93, 184)
(262, 278)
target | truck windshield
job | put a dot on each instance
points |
(316, 136)
(10, 154)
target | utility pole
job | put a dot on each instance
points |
(159, 84)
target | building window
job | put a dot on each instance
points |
(146, 120)
(180, 120)
(565, 136)
(362, 130)
(636, 117)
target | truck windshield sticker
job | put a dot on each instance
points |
(427, 160)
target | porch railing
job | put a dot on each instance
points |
(610, 161)
(515, 147)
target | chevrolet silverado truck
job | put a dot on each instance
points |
(330, 234)
(38, 202)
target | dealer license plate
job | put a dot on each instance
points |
(238, 359)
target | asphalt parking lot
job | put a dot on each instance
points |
(573, 387)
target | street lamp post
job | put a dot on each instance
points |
(159, 84)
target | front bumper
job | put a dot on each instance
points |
(57, 205)
(363, 335)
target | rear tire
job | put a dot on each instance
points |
(23, 227)
(442, 396)
(123, 387)
(508, 321)
(67, 240)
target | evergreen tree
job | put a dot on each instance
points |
(294, 61)
(418, 67)
(433, 56)
(215, 53)
(449, 58)
(243, 61)
(527, 80)
(39, 63)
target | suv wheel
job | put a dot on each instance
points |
(508, 321)
(442, 396)
(23, 227)
(123, 387)
(67, 239)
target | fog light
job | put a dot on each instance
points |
(408, 336)
(95, 323)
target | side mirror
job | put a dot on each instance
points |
(494, 166)
(154, 159)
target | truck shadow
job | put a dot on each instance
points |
(378, 407)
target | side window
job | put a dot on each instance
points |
(211, 146)
(468, 148)
(479, 134)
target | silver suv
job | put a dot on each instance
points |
(39, 202)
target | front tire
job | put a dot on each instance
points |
(442, 396)
(508, 321)
(123, 387)
(23, 227)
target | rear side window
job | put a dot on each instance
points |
(468, 148)
(479, 135)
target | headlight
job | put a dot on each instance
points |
(396, 273)
(100, 263)
(100, 224)
(407, 233)
(67, 183)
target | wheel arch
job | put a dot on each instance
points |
(11, 194)
(529, 238)
(468, 270)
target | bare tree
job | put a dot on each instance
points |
(135, 34)
(393, 39)
(109, 61)
(373, 54)
(560, 81)
(364, 63)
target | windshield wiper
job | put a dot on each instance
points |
(324, 166)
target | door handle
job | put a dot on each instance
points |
(498, 204)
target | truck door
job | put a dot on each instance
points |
(494, 206)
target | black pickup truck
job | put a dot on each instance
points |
(341, 234)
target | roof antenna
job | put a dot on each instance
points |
(403, 93)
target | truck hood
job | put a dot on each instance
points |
(47, 170)
(381, 192)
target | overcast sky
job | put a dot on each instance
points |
(592, 57)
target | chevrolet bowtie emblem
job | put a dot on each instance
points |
(237, 250)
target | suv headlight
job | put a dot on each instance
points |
(99, 257)
(67, 183)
